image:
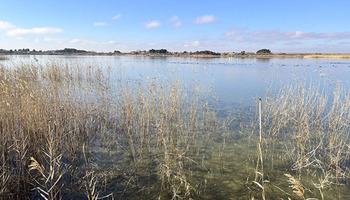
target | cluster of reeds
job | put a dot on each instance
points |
(3, 58)
(306, 132)
(163, 125)
(69, 131)
(43, 123)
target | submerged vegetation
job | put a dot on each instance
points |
(68, 132)
(306, 133)
(76, 132)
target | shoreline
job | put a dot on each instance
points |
(259, 56)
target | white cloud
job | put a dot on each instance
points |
(34, 31)
(36, 40)
(48, 39)
(241, 34)
(152, 24)
(80, 41)
(192, 44)
(5, 26)
(111, 42)
(91, 42)
(205, 19)
(235, 31)
(175, 21)
(116, 17)
(177, 25)
(100, 24)
(173, 18)
(13, 31)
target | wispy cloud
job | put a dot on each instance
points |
(173, 18)
(111, 42)
(205, 19)
(116, 17)
(81, 41)
(78, 41)
(100, 24)
(175, 21)
(32, 31)
(152, 24)
(192, 44)
(242, 34)
(13, 31)
(91, 42)
(49, 39)
(235, 31)
(177, 25)
(5, 26)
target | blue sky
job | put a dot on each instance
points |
(298, 26)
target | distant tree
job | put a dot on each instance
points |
(242, 53)
(206, 52)
(70, 50)
(159, 51)
(264, 51)
(163, 51)
(118, 52)
(23, 50)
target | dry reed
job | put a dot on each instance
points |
(309, 134)
(295, 184)
(149, 128)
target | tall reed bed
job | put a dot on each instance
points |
(45, 118)
(69, 131)
(306, 133)
(162, 127)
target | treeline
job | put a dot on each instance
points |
(206, 52)
(28, 51)
(138, 52)
(159, 51)
(164, 51)
(71, 50)
(17, 51)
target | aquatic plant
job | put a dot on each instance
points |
(307, 133)
(72, 131)
(49, 113)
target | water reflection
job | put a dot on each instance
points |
(263, 60)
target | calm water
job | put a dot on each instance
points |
(234, 80)
(237, 84)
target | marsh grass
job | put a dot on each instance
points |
(306, 132)
(72, 132)
(43, 122)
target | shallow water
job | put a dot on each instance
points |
(233, 79)
(224, 167)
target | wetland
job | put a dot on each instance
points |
(138, 127)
